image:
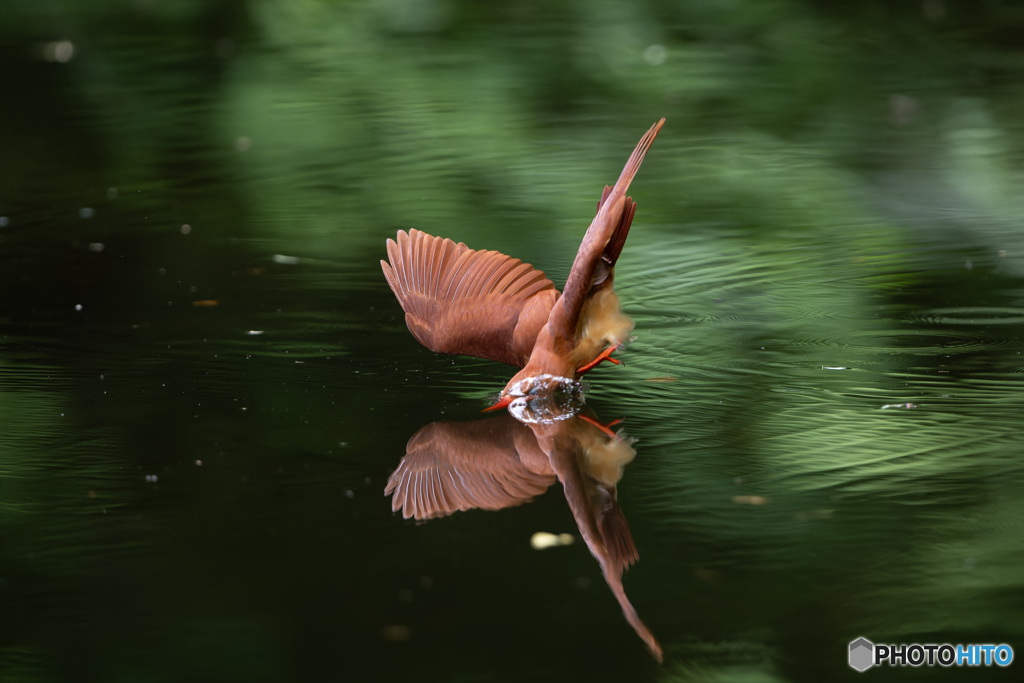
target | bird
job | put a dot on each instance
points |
(483, 303)
(501, 462)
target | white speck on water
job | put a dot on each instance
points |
(907, 406)
(833, 367)
(343, 443)
(85, 212)
(186, 229)
(199, 463)
(255, 332)
(151, 478)
(350, 493)
(3, 221)
(285, 260)
(96, 246)
(655, 55)
(59, 51)
(78, 307)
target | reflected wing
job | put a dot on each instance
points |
(598, 517)
(458, 300)
(615, 533)
(452, 466)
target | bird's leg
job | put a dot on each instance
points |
(606, 428)
(604, 355)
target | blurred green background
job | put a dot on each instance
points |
(829, 230)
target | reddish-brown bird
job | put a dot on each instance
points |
(487, 304)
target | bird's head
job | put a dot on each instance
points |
(542, 399)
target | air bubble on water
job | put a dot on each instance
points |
(655, 55)
(59, 51)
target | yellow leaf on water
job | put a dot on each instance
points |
(543, 539)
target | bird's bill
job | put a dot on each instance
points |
(502, 403)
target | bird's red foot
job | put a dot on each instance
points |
(606, 428)
(604, 355)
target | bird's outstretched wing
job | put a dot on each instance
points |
(603, 242)
(453, 466)
(459, 300)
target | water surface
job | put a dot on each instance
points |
(198, 423)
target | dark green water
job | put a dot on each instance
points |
(829, 229)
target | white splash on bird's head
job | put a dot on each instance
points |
(545, 399)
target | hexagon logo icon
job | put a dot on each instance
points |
(862, 654)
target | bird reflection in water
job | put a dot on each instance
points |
(504, 461)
